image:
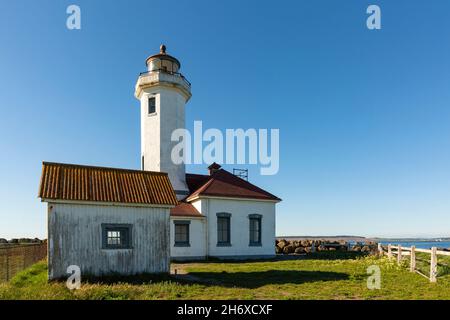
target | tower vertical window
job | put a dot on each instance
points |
(151, 105)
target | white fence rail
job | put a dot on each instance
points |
(399, 251)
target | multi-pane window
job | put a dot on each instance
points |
(255, 229)
(181, 233)
(151, 105)
(116, 236)
(223, 229)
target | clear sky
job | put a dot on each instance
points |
(364, 116)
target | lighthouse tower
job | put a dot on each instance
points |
(163, 92)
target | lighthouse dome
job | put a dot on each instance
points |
(163, 62)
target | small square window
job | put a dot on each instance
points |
(151, 105)
(116, 236)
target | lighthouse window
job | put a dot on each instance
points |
(151, 105)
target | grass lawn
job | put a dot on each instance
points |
(316, 277)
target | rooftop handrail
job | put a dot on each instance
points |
(168, 72)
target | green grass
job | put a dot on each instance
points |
(319, 277)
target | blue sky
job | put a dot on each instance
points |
(364, 116)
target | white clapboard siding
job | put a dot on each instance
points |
(75, 238)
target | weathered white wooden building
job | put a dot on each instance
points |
(110, 221)
(106, 221)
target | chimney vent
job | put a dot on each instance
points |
(213, 168)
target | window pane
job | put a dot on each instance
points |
(255, 230)
(151, 105)
(181, 233)
(223, 227)
(155, 65)
(117, 237)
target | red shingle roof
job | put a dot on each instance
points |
(86, 183)
(184, 209)
(224, 184)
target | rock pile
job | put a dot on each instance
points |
(20, 241)
(284, 246)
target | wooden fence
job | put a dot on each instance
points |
(15, 258)
(401, 252)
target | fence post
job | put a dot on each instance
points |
(399, 254)
(380, 249)
(7, 264)
(313, 247)
(433, 265)
(389, 251)
(412, 264)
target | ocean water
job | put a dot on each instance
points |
(419, 244)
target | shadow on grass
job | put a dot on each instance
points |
(128, 279)
(323, 255)
(253, 280)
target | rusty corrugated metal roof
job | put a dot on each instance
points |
(87, 183)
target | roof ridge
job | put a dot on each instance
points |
(102, 168)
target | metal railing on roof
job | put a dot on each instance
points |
(177, 74)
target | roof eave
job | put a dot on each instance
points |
(104, 203)
(187, 216)
(199, 197)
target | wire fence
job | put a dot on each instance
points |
(15, 258)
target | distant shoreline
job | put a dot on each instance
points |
(360, 238)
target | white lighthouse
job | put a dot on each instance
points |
(163, 92)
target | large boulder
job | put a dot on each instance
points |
(288, 249)
(321, 248)
(305, 243)
(296, 243)
(299, 250)
(365, 249)
(278, 250)
(282, 243)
